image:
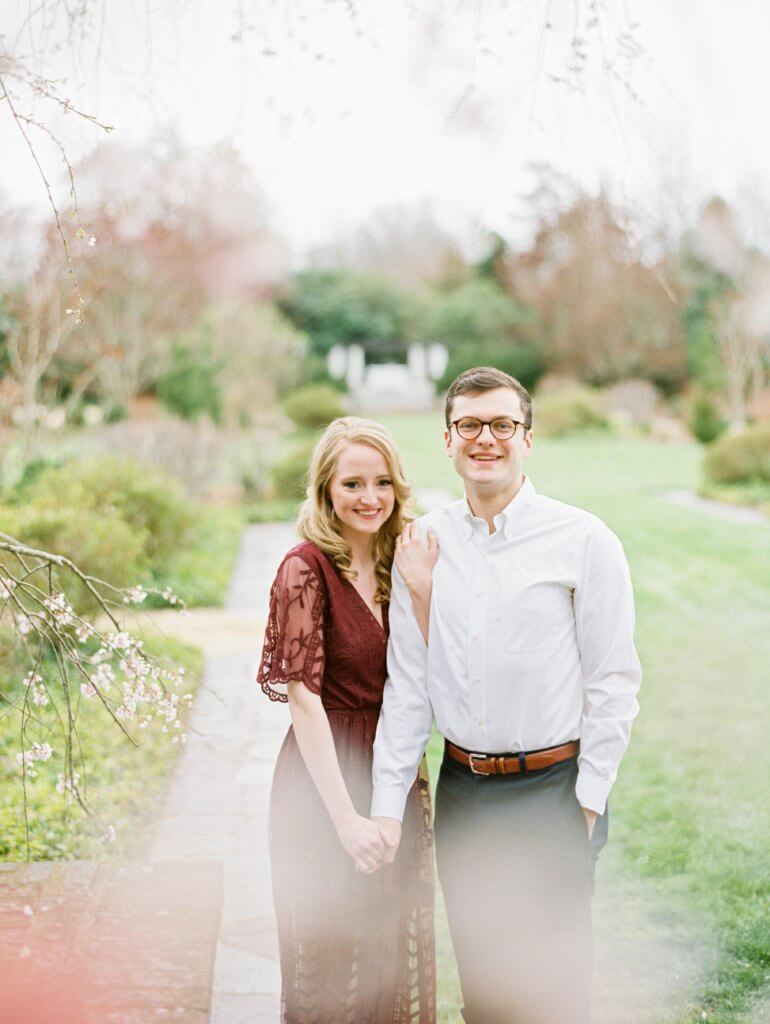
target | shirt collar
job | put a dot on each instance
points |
(504, 520)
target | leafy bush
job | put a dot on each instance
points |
(477, 312)
(116, 520)
(740, 458)
(706, 422)
(291, 472)
(337, 307)
(150, 503)
(314, 406)
(523, 361)
(190, 386)
(101, 543)
(569, 411)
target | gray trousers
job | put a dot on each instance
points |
(517, 871)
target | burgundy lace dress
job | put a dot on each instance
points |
(354, 948)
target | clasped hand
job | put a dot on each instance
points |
(371, 842)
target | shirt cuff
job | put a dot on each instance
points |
(389, 802)
(591, 792)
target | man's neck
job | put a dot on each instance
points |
(488, 505)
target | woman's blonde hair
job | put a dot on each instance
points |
(317, 520)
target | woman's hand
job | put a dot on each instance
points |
(415, 559)
(363, 840)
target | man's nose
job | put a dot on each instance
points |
(486, 436)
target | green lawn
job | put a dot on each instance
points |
(683, 888)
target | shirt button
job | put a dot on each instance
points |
(474, 636)
(475, 679)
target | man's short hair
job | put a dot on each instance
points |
(486, 378)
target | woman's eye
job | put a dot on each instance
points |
(351, 484)
(386, 483)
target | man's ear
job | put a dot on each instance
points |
(528, 444)
(448, 443)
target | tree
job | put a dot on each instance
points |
(480, 324)
(733, 302)
(605, 314)
(335, 307)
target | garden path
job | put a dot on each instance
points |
(717, 509)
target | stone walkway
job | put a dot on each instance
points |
(216, 808)
(717, 509)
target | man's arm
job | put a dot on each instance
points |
(406, 716)
(604, 617)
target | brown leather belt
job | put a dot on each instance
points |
(505, 764)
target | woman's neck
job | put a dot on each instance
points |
(361, 550)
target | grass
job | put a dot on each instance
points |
(687, 871)
(200, 571)
(125, 785)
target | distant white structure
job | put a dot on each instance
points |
(409, 385)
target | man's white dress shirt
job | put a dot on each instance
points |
(531, 644)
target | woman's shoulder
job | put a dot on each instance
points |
(311, 555)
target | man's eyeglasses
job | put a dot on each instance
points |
(503, 428)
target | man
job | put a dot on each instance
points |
(531, 675)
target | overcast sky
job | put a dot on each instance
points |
(339, 114)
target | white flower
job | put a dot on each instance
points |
(135, 595)
(92, 241)
(7, 587)
(40, 696)
(37, 752)
(88, 689)
(67, 785)
(60, 610)
(83, 632)
(109, 834)
(23, 625)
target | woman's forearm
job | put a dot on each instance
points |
(421, 607)
(316, 744)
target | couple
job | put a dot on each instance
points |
(507, 619)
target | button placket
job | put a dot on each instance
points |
(476, 645)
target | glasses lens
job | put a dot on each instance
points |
(503, 429)
(468, 428)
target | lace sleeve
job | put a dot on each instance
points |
(293, 647)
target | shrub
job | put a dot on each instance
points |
(151, 504)
(314, 406)
(569, 411)
(101, 543)
(740, 458)
(706, 422)
(290, 474)
(190, 386)
(523, 361)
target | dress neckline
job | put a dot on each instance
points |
(362, 601)
(365, 604)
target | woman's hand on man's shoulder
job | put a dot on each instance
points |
(415, 558)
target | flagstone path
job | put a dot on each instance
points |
(217, 805)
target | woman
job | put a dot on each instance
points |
(355, 930)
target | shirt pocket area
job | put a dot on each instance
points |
(534, 616)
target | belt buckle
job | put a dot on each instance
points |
(471, 766)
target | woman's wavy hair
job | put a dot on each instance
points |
(317, 520)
